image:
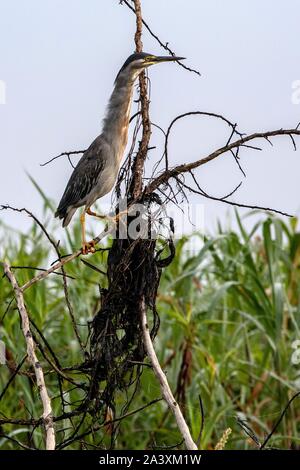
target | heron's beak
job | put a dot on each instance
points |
(168, 58)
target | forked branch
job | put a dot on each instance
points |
(167, 174)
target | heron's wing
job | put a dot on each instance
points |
(83, 178)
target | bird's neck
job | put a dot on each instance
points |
(116, 121)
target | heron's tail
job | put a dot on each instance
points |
(65, 214)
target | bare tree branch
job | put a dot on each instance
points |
(35, 268)
(133, 265)
(55, 246)
(224, 199)
(164, 46)
(96, 427)
(63, 261)
(139, 161)
(47, 409)
(198, 113)
(64, 154)
(165, 388)
(164, 177)
(14, 374)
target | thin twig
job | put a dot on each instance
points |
(64, 154)
(232, 203)
(14, 374)
(164, 46)
(202, 422)
(279, 420)
(198, 113)
(34, 268)
(108, 422)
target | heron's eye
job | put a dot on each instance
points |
(149, 58)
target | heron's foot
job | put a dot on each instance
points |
(88, 247)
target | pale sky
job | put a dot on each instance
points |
(59, 58)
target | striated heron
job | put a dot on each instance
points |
(97, 170)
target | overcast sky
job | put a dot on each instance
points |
(59, 58)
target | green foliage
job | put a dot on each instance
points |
(229, 315)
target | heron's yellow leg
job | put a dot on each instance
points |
(82, 221)
(88, 211)
(87, 247)
(108, 217)
(110, 220)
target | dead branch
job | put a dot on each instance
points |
(68, 415)
(39, 374)
(75, 152)
(15, 372)
(165, 46)
(108, 422)
(35, 268)
(64, 154)
(165, 388)
(133, 275)
(55, 245)
(164, 177)
(233, 127)
(32, 216)
(63, 262)
(223, 199)
(139, 161)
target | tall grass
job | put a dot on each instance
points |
(229, 315)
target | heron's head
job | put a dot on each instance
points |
(137, 62)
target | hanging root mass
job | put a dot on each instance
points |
(116, 346)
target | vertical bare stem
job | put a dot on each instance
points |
(138, 167)
(39, 374)
(165, 388)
